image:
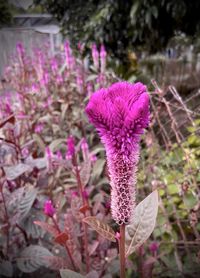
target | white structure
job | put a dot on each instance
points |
(32, 30)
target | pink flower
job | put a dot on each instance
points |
(80, 47)
(70, 147)
(68, 55)
(74, 194)
(38, 128)
(59, 155)
(89, 89)
(79, 79)
(49, 208)
(49, 157)
(93, 158)
(54, 65)
(120, 114)
(84, 145)
(153, 247)
(103, 58)
(25, 152)
(59, 79)
(95, 56)
(85, 150)
(20, 49)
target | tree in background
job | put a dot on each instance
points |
(5, 13)
(122, 25)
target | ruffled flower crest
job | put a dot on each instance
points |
(120, 114)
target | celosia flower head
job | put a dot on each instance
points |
(49, 208)
(120, 114)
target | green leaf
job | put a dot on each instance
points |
(66, 273)
(102, 228)
(144, 220)
(161, 192)
(190, 200)
(173, 189)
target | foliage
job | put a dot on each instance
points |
(42, 107)
(122, 25)
(175, 174)
(5, 13)
(42, 104)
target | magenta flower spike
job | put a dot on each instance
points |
(95, 56)
(70, 147)
(85, 149)
(49, 208)
(89, 89)
(120, 114)
(103, 58)
(20, 49)
(153, 247)
(49, 156)
(54, 65)
(68, 55)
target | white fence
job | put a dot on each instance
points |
(29, 37)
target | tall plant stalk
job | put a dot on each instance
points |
(122, 251)
(84, 225)
(66, 246)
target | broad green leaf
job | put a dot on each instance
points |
(66, 273)
(32, 258)
(173, 189)
(102, 228)
(139, 230)
(190, 200)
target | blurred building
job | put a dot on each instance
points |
(32, 30)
